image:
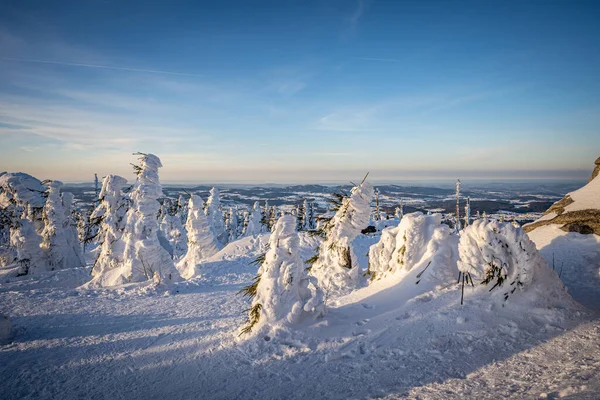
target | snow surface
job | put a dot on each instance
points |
(585, 198)
(392, 339)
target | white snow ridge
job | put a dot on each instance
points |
(168, 304)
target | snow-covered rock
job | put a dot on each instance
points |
(283, 293)
(337, 268)
(202, 241)
(419, 241)
(578, 211)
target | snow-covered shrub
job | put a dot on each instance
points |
(111, 212)
(336, 266)
(144, 255)
(418, 240)
(215, 215)
(202, 241)
(282, 292)
(6, 333)
(498, 257)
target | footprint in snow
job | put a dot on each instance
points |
(360, 323)
(367, 306)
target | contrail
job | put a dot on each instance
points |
(379, 59)
(72, 64)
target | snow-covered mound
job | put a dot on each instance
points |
(419, 241)
(282, 292)
(6, 333)
(578, 211)
(499, 258)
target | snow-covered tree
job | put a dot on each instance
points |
(202, 241)
(457, 216)
(417, 240)
(272, 217)
(497, 258)
(74, 250)
(336, 265)
(111, 212)
(182, 209)
(377, 211)
(254, 226)
(232, 224)
(468, 212)
(144, 256)
(282, 292)
(55, 235)
(215, 215)
(312, 217)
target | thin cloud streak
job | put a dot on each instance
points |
(72, 64)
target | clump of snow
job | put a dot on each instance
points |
(500, 259)
(6, 333)
(283, 293)
(202, 241)
(144, 255)
(337, 268)
(419, 240)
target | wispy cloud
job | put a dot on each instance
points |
(109, 67)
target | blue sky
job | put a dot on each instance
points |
(288, 91)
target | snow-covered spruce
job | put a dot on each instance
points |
(20, 198)
(419, 241)
(282, 293)
(336, 266)
(111, 214)
(254, 226)
(202, 241)
(215, 215)
(56, 233)
(144, 257)
(74, 249)
(499, 258)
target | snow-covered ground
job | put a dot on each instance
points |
(392, 339)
